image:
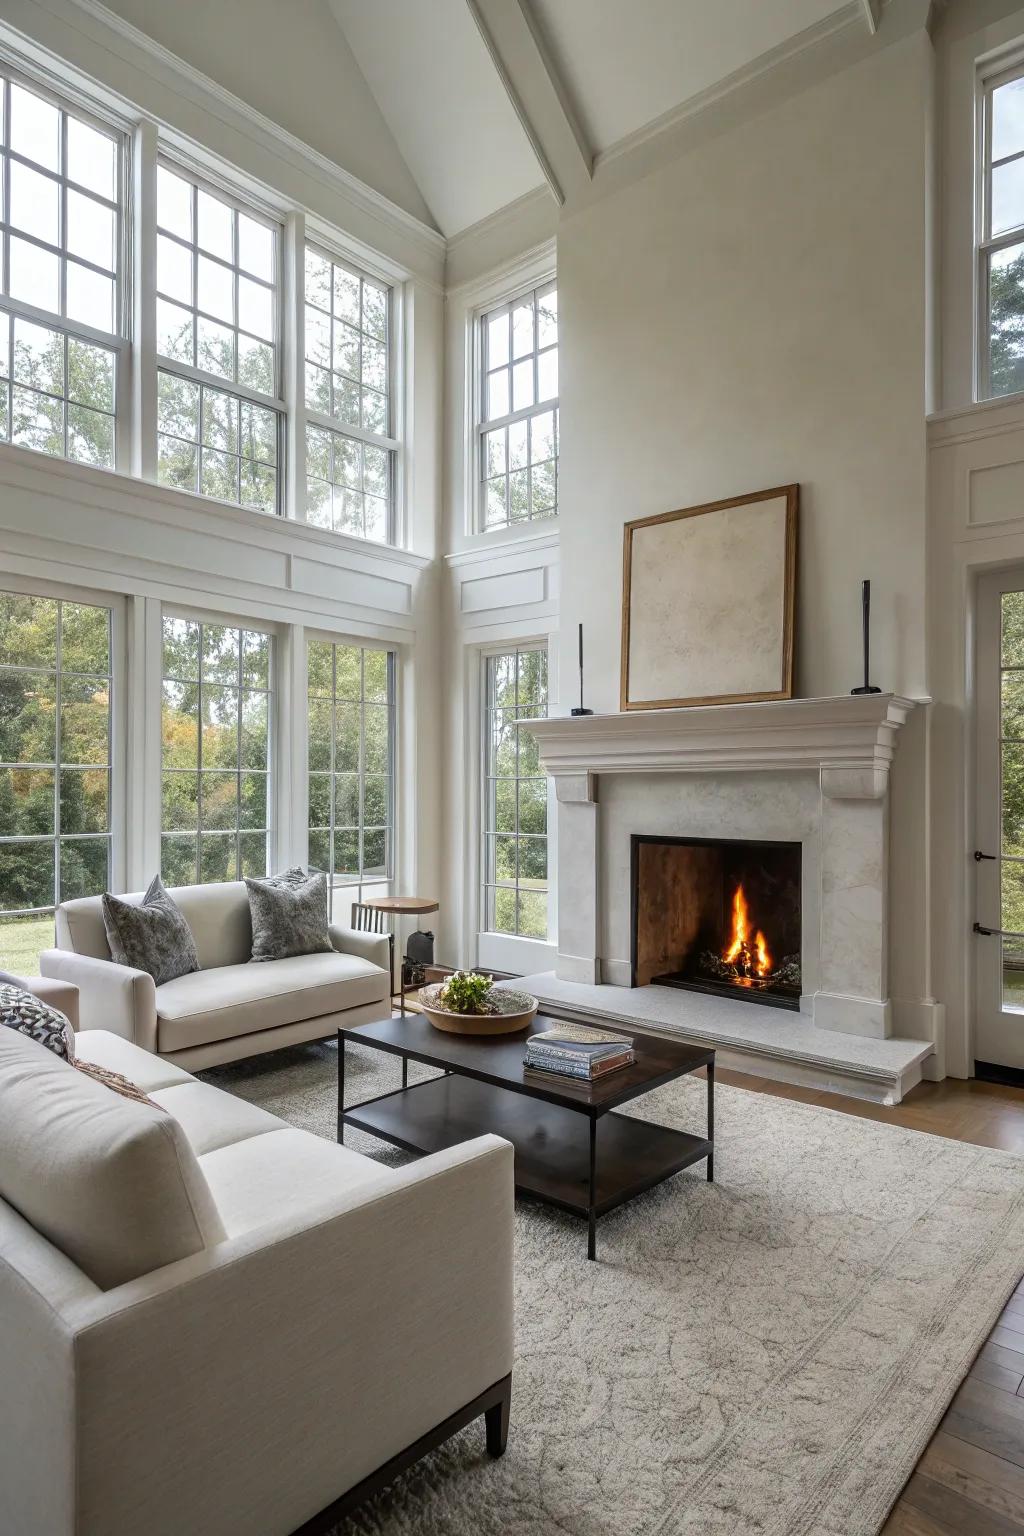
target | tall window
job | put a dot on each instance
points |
(515, 855)
(216, 751)
(350, 449)
(61, 303)
(351, 706)
(518, 430)
(55, 766)
(219, 410)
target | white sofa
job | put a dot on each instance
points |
(315, 1323)
(230, 1007)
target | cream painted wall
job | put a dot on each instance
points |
(292, 63)
(752, 315)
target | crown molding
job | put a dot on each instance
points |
(122, 38)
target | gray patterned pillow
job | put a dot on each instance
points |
(151, 935)
(289, 915)
(29, 1015)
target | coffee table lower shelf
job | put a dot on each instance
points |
(552, 1144)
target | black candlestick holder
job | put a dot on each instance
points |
(581, 710)
(865, 614)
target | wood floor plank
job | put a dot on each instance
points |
(955, 1510)
(977, 1474)
(1001, 1354)
(1013, 1338)
(905, 1520)
(986, 1369)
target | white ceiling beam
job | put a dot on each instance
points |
(537, 94)
(872, 14)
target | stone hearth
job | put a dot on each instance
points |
(810, 771)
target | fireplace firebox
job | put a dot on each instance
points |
(719, 916)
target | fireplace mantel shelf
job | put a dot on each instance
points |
(850, 739)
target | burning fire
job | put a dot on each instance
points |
(750, 956)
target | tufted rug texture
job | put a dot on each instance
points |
(763, 1356)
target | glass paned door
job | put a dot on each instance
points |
(999, 840)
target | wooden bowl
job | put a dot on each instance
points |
(517, 1010)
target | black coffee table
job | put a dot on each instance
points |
(552, 1122)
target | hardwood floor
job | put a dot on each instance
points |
(970, 1480)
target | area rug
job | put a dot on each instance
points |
(762, 1356)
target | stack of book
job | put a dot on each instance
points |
(576, 1050)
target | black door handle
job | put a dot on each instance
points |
(990, 933)
(978, 856)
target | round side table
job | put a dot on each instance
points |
(396, 907)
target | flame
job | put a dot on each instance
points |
(750, 956)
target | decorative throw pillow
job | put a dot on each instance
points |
(150, 936)
(289, 915)
(114, 1080)
(29, 1015)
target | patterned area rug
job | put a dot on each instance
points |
(763, 1356)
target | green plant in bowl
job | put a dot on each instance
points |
(466, 992)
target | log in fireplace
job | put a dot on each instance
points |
(717, 915)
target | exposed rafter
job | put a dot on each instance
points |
(872, 14)
(537, 94)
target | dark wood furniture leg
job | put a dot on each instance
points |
(497, 1418)
(493, 1404)
(711, 1121)
(592, 1193)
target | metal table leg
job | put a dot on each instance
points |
(711, 1120)
(341, 1089)
(591, 1213)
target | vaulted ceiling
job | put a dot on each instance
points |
(488, 99)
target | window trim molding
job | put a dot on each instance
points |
(120, 684)
(991, 71)
(486, 938)
(277, 725)
(394, 651)
(422, 246)
(351, 254)
(504, 285)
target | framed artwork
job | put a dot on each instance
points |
(708, 597)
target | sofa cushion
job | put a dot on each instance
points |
(112, 1183)
(289, 915)
(145, 1069)
(212, 1118)
(150, 935)
(237, 1000)
(256, 1180)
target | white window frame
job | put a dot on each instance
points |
(277, 726)
(181, 166)
(392, 441)
(116, 604)
(378, 884)
(120, 341)
(480, 426)
(487, 655)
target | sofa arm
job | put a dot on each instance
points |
(110, 996)
(324, 1345)
(375, 947)
(61, 995)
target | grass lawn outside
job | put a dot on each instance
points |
(21, 940)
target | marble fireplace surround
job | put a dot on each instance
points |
(814, 771)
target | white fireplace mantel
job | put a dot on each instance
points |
(847, 743)
(849, 738)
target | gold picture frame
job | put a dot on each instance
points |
(708, 602)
